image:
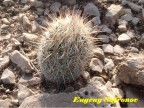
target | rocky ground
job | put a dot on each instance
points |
(116, 69)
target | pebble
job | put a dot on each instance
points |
(16, 42)
(107, 48)
(19, 59)
(86, 76)
(134, 50)
(96, 20)
(47, 11)
(127, 17)
(135, 20)
(4, 62)
(113, 13)
(55, 7)
(29, 37)
(118, 49)
(122, 25)
(124, 38)
(96, 65)
(128, 11)
(131, 34)
(35, 27)
(5, 21)
(134, 6)
(7, 2)
(91, 10)
(8, 77)
(106, 29)
(26, 22)
(36, 3)
(98, 53)
(116, 80)
(109, 64)
(4, 26)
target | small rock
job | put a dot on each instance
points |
(4, 62)
(96, 20)
(128, 11)
(98, 53)
(17, 58)
(23, 93)
(96, 65)
(69, 2)
(113, 37)
(116, 80)
(34, 81)
(47, 11)
(107, 48)
(106, 29)
(86, 76)
(122, 25)
(7, 2)
(55, 7)
(29, 37)
(134, 6)
(108, 85)
(4, 26)
(109, 64)
(118, 49)
(103, 38)
(135, 20)
(113, 13)
(8, 77)
(37, 4)
(131, 34)
(15, 42)
(134, 50)
(26, 22)
(91, 10)
(127, 17)
(5, 21)
(35, 26)
(124, 38)
(40, 11)
(141, 1)
(124, 2)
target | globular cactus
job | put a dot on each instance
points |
(63, 55)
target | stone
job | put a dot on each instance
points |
(4, 26)
(132, 70)
(96, 20)
(135, 20)
(113, 37)
(106, 29)
(26, 22)
(107, 48)
(23, 92)
(4, 62)
(7, 2)
(16, 42)
(5, 103)
(108, 85)
(40, 11)
(8, 77)
(134, 7)
(116, 80)
(45, 100)
(47, 11)
(86, 76)
(103, 38)
(128, 11)
(68, 2)
(124, 2)
(109, 64)
(35, 26)
(98, 53)
(113, 13)
(127, 17)
(131, 34)
(132, 92)
(118, 92)
(96, 65)
(55, 7)
(134, 50)
(37, 4)
(141, 1)
(122, 25)
(29, 37)
(5, 21)
(118, 49)
(91, 10)
(19, 59)
(124, 38)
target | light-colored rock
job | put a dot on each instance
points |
(35, 26)
(4, 62)
(55, 7)
(36, 3)
(118, 49)
(15, 42)
(107, 48)
(134, 6)
(132, 92)
(109, 64)
(8, 77)
(98, 53)
(122, 25)
(132, 70)
(96, 20)
(103, 38)
(127, 17)
(108, 85)
(86, 76)
(29, 37)
(5, 103)
(19, 59)
(4, 26)
(113, 13)
(23, 92)
(91, 10)
(131, 34)
(134, 50)
(96, 65)
(116, 80)
(135, 20)
(45, 100)
(5, 21)
(7, 2)
(124, 38)
(26, 22)
(141, 1)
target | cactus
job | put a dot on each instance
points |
(63, 55)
